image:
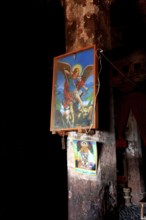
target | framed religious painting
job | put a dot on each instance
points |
(74, 102)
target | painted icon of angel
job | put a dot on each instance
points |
(75, 78)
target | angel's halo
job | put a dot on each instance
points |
(77, 66)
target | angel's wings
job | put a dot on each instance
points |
(62, 66)
(87, 71)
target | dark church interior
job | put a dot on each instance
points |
(33, 163)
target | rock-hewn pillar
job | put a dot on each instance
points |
(92, 198)
(87, 22)
(134, 161)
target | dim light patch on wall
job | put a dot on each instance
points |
(85, 156)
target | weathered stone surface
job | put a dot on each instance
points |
(135, 180)
(93, 197)
(86, 23)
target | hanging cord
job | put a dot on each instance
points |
(98, 88)
(100, 53)
(122, 74)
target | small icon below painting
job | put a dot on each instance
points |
(85, 154)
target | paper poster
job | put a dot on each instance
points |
(85, 155)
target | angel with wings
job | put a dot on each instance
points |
(75, 79)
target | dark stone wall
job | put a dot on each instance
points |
(113, 26)
(88, 198)
(33, 165)
(128, 24)
(30, 156)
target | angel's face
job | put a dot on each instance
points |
(75, 73)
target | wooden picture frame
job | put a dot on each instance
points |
(74, 99)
